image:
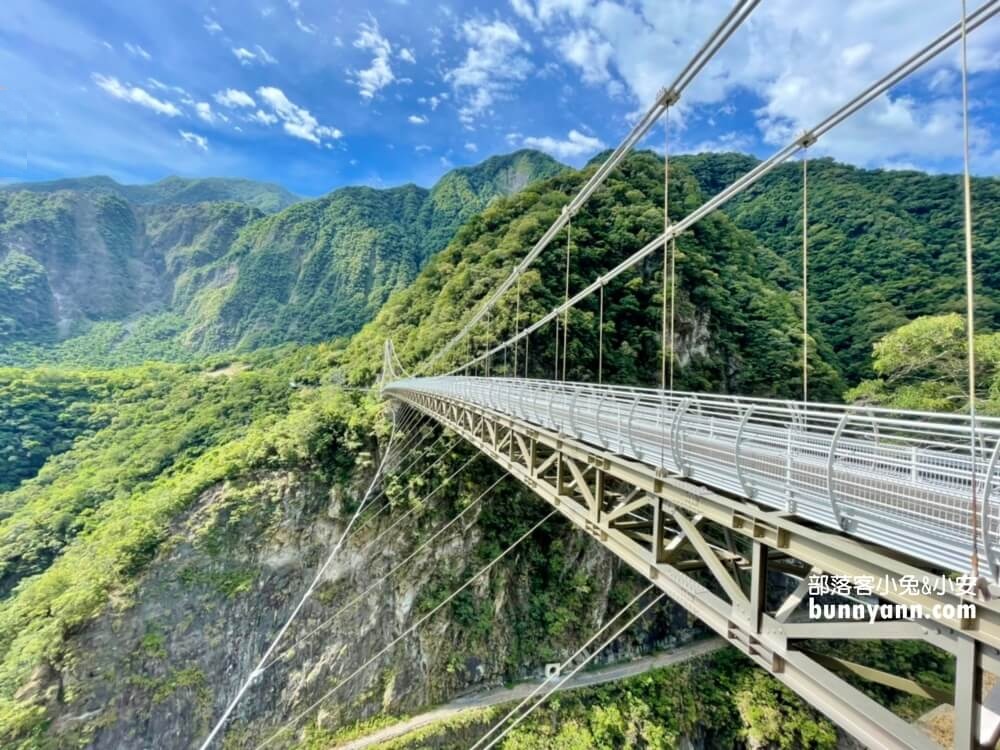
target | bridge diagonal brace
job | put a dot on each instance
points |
(794, 599)
(878, 676)
(711, 560)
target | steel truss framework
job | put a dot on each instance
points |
(675, 532)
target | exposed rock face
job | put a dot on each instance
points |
(156, 670)
(78, 252)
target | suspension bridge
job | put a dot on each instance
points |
(730, 506)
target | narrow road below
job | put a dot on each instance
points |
(488, 698)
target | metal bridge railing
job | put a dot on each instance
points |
(900, 479)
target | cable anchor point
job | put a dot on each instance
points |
(668, 97)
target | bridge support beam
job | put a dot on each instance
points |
(651, 522)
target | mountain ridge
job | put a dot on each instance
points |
(173, 190)
(91, 273)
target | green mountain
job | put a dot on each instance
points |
(185, 507)
(265, 196)
(737, 330)
(95, 276)
(158, 522)
(885, 246)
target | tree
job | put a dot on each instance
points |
(923, 365)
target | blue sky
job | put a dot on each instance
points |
(315, 94)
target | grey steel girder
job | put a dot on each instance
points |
(647, 518)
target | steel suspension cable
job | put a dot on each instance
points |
(600, 339)
(388, 504)
(567, 662)
(970, 295)
(395, 569)
(805, 276)
(527, 345)
(666, 228)
(409, 631)
(411, 442)
(590, 657)
(974, 20)
(555, 358)
(667, 98)
(517, 324)
(381, 492)
(251, 678)
(569, 227)
(415, 508)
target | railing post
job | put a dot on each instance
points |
(830, 462)
(987, 500)
(675, 448)
(597, 420)
(631, 430)
(747, 489)
(572, 414)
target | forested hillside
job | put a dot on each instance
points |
(265, 196)
(885, 246)
(159, 522)
(187, 505)
(738, 331)
(102, 274)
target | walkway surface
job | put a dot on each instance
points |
(488, 698)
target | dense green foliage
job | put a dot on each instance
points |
(923, 365)
(97, 467)
(181, 269)
(885, 246)
(98, 513)
(737, 331)
(264, 196)
(41, 413)
(108, 344)
(720, 701)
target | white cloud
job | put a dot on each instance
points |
(233, 98)
(204, 111)
(303, 26)
(575, 145)
(524, 9)
(379, 73)
(199, 141)
(161, 86)
(433, 101)
(296, 121)
(585, 49)
(802, 60)
(264, 118)
(246, 57)
(136, 51)
(471, 147)
(493, 63)
(406, 55)
(422, 148)
(136, 95)
(211, 25)
(263, 56)
(731, 141)
(417, 120)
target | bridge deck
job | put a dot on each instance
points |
(902, 480)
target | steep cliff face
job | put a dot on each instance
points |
(155, 669)
(72, 258)
(120, 274)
